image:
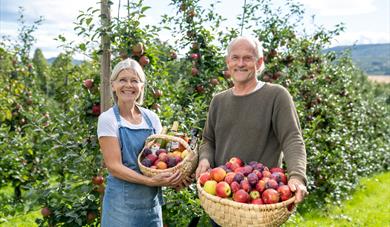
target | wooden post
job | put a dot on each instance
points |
(105, 95)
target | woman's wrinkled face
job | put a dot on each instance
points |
(127, 86)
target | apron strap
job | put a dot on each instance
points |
(117, 115)
(147, 119)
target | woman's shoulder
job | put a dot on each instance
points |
(107, 115)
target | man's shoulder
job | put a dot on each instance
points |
(223, 94)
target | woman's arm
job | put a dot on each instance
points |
(112, 158)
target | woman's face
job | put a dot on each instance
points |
(127, 86)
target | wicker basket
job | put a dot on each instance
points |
(187, 166)
(227, 212)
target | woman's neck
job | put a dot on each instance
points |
(128, 110)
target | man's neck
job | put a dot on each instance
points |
(241, 89)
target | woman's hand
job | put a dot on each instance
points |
(167, 179)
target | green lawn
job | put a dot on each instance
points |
(369, 206)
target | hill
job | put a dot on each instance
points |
(74, 61)
(374, 59)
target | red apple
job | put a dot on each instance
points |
(97, 180)
(271, 183)
(194, 71)
(235, 186)
(210, 187)
(257, 201)
(266, 173)
(229, 178)
(277, 169)
(258, 173)
(157, 93)
(144, 60)
(194, 56)
(270, 196)
(214, 81)
(227, 74)
(96, 109)
(245, 185)
(236, 160)
(88, 83)
(223, 189)
(199, 88)
(204, 177)
(152, 157)
(241, 196)
(155, 106)
(46, 212)
(91, 216)
(260, 186)
(163, 157)
(279, 177)
(218, 174)
(240, 169)
(284, 192)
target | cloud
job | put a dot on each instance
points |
(340, 7)
(350, 38)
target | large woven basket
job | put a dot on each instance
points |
(187, 166)
(226, 212)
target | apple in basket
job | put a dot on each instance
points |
(284, 192)
(218, 174)
(241, 196)
(223, 189)
(270, 196)
(204, 177)
(210, 187)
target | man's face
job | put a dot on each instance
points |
(242, 63)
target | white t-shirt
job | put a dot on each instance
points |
(108, 125)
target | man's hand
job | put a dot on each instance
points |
(299, 188)
(203, 166)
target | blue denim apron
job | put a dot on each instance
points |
(125, 203)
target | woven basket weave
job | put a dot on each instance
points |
(187, 166)
(227, 212)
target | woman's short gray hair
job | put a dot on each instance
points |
(129, 64)
(257, 48)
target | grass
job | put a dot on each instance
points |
(369, 206)
(26, 220)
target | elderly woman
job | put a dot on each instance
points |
(130, 199)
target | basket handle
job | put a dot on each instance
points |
(172, 138)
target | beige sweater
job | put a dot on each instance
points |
(255, 127)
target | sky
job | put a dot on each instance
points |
(366, 21)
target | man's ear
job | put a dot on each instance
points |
(259, 62)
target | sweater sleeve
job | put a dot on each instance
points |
(287, 128)
(207, 147)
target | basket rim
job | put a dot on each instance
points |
(173, 138)
(234, 204)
